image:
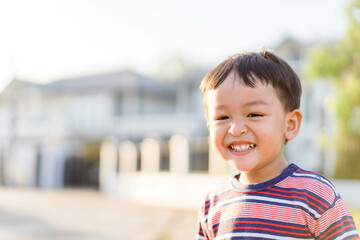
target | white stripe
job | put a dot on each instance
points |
(258, 235)
(353, 232)
(318, 178)
(228, 201)
(274, 200)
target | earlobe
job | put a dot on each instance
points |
(293, 124)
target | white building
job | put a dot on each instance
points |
(46, 127)
(51, 134)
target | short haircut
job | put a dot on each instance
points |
(266, 67)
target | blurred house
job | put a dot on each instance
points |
(51, 133)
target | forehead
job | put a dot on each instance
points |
(234, 90)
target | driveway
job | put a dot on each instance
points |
(34, 214)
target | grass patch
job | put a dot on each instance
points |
(356, 215)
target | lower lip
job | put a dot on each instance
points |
(239, 153)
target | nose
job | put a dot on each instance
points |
(238, 128)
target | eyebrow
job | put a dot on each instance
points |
(256, 102)
(219, 107)
(250, 103)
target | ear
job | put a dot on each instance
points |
(208, 125)
(293, 123)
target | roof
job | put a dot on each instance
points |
(108, 82)
(116, 81)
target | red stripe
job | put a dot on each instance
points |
(318, 188)
(201, 232)
(270, 224)
(263, 223)
(270, 230)
(339, 231)
(280, 214)
(280, 195)
(339, 224)
(308, 172)
(293, 191)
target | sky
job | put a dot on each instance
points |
(45, 40)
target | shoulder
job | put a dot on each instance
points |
(311, 182)
(217, 192)
(219, 189)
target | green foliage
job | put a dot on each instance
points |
(347, 101)
(327, 61)
(340, 62)
(335, 59)
(356, 215)
(347, 154)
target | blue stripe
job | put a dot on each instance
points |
(248, 223)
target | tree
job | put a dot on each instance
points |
(340, 62)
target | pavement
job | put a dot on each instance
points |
(83, 214)
(70, 214)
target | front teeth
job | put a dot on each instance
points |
(242, 147)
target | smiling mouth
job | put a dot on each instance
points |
(242, 147)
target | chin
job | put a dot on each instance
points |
(242, 167)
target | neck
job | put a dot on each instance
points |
(264, 174)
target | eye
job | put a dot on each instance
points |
(253, 115)
(222, 118)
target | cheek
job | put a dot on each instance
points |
(277, 131)
(217, 134)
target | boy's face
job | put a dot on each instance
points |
(247, 125)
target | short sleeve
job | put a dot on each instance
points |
(336, 223)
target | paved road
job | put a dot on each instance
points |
(33, 214)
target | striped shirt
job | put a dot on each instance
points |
(297, 204)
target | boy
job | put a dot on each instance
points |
(252, 105)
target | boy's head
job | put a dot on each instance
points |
(252, 105)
